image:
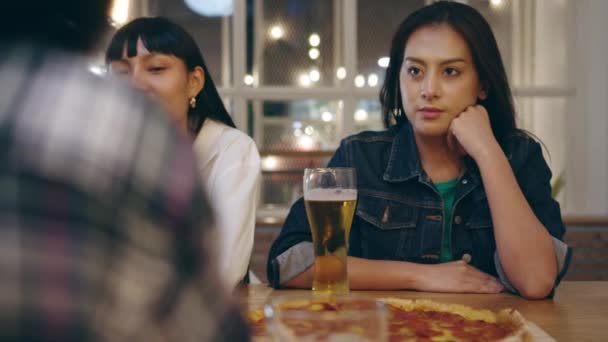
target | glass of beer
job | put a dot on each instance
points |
(330, 196)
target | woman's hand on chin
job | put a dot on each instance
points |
(471, 133)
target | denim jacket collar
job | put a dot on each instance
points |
(404, 161)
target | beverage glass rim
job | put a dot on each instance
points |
(272, 309)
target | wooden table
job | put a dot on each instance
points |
(579, 311)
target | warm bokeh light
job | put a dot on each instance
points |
(314, 40)
(341, 73)
(304, 80)
(372, 80)
(277, 32)
(305, 143)
(270, 163)
(248, 80)
(314, 75)
(361, 115)
(327, 116)
(314, 53)
(496, 3)
(119, 12)
(360, 81)
(383, 62)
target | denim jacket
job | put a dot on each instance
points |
(399, 212)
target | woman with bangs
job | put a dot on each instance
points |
(162, 60)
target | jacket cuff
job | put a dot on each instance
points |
(563, 254)
(290, 263)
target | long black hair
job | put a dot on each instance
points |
(160, 35)
(476, 31)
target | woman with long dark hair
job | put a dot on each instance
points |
(162, 60)
(452, 197)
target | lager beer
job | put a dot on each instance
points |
(330, 214)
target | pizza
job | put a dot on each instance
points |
(425, 320)
(416, 320)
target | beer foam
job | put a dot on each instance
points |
(336, 194)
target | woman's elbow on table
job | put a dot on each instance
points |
(537, 289)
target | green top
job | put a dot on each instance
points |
(448, 193)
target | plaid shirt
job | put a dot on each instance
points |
(104, 229)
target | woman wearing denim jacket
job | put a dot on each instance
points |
(452, 196)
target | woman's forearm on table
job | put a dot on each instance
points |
(368, 275)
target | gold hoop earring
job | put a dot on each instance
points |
(192, 102)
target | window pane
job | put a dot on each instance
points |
(207, 32)
(293, 42)
(532, 37)
(377, 21)
(499, 16)
(301, 125)
(282, 177)
(551, 43)
(546, 119)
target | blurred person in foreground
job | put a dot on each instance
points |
(162, 60)
(101, 211)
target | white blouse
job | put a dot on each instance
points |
(229, 164)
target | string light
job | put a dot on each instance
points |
(248, 80)
(277, 32)
(119, 12)
(314, 75)
(341, 73)
(327, 116)
(372, 80)
(314, 53)
(383, 62)
(361, 115)
(305, 80)
(359, 81)
(314, 40)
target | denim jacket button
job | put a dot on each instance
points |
(385, 215)
(465, 181)
(434, 217)
(466, 257)
(457, 220)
